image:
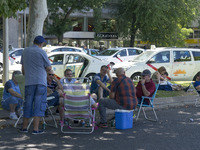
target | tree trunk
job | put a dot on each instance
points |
(60, 39)
(37, 14)
(133, 31)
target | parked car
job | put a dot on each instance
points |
(50, 48)
(181, 63)
(121, 54)
(81, 64)
(15, 55)
(14, 58)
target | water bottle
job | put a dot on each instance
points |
(43, 126)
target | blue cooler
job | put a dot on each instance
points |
(123, 119)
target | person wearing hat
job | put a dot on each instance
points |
(12, 98)
(35, 65)
(145, 87)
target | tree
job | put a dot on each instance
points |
(59, 21)
(156, 21)
(9, 8)
(37, 14)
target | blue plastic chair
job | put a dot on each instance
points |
(150, 105)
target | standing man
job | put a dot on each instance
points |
(122, 96)
(35, 65)
(145, 87)
(99, 82)
(12, 98)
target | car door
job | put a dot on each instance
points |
(132, 53)
(183, 66)
(58, 64)
(75, 63)
(161, 59)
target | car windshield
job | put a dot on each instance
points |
(108, 52)
(144, 56)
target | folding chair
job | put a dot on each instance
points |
(21, 81)
(197, 103)
(150, 105)
(77, 106)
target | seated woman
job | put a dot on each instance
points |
(157, 76)
(168, 86)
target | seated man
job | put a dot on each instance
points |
(98, 85)
(122, 96)
(12, 98)
(68, 77)
(145, 87)
(54, 88)
(197, 82)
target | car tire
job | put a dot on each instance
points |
(90, 76)
(136, 77)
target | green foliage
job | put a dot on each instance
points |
(59, 11)
(156, 21)
(97, 21)
(8, 8)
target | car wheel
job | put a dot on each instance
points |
(136, 77)
(90, 76)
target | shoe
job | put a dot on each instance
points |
(103, 125)
(23, 130)
(37, 132)
(13, 116)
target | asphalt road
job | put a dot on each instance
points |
(177, 129)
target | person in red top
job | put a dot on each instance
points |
(145, 87)
(122, 96)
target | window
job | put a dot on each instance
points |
(162, 57)
(56, 59)
(16, 53)
(75, 59)
(196, 55)
(122, 53)
(180, 56)
(134, 52)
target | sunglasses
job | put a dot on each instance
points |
(51, 74)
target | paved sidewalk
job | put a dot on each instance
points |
(159, 103)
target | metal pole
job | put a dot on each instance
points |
(24, 28)
(5, 51)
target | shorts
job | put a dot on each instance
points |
(35, 101)
(11, 100)
(54, 101)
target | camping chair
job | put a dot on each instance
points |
(77, 107)
(21, 81)
(150, 105)
(197, 103)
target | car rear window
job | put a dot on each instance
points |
(196, 55)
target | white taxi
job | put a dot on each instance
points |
(181, 63)
(81, 64)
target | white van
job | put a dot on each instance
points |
(181, 63)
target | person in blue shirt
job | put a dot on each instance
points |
(197, 82)
(99, 82)
(12, 99)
